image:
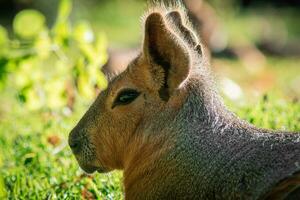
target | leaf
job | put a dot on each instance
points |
(33, 100)
(88, 51)
(54, 90)
(62, 27)
(100, 46)
(64, 10)
(42, 62)
(23, 74)
(101, 80)
(62, 31)
(3, 41)
(85, 87)
(3, 36)
(28, 23)
(43, 45)
(96, 76)
(83, 32)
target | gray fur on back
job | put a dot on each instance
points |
(219, 156)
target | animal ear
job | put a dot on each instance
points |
(176, 18)
(167, 56)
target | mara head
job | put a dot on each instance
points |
(153, 87)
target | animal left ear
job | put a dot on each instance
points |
(166, 54)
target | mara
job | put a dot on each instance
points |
(163, 123)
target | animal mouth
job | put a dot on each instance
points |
(102, 170)
(91, 169)
(88, 169)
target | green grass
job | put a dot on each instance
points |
(32, 167)
(35, 168)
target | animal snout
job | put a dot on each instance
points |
(75, 141)
(75, 145)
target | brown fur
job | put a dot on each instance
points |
(176, 139)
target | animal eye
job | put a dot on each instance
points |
(125, 97)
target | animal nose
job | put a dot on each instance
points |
(75, 146)
(74, 142)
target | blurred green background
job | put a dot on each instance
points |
(52, 53)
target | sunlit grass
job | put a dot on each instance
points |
(38, 164)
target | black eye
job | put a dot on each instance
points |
(125, 97)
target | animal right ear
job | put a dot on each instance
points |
(167, 57)
(177, 20)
